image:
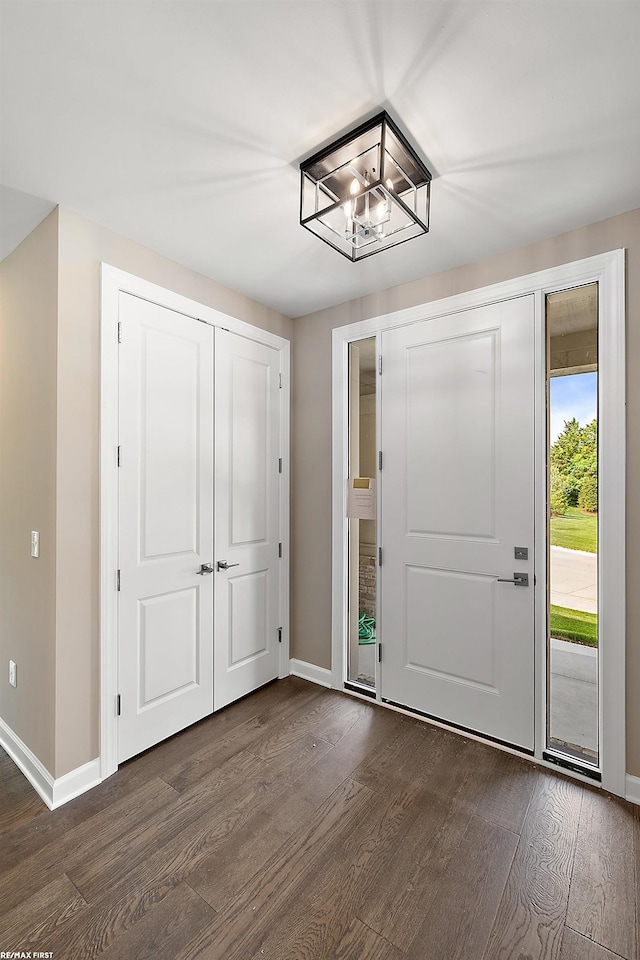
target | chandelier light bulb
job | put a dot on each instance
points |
(355, 187)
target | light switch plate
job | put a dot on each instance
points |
(13, 674)
(35, 543)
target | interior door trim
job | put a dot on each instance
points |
(608, 270)
(113, 282)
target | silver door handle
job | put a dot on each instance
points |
(223, 565)
(519, 579)
(204, 569)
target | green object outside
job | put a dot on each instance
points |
(575, 530)
(574, 625)
(366, 629)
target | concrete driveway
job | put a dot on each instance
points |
(574, 697)
(574, 579)
(574, 668)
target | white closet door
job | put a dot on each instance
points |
(457, 500)
(247, 516)
(165, 523)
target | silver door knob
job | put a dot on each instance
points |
(223, 565)
(205, 568)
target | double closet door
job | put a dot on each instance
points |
(457, 527)
(199, 520)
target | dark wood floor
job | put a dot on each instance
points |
(302, 824)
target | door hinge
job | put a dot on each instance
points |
(279, 634)
(118, 580)
(379, 459)
(119, 331)
(380, 364)
(118, 705)
(280, 550)
(118, 455)
(279, 464)
(280, 380)
(379, 652)
(379, 556)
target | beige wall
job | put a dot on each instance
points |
(311, 430)
(28, 331)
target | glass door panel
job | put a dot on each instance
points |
(362, 532)
(572, 457)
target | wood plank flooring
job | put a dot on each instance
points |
(303, 824)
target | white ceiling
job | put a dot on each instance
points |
(181, 124)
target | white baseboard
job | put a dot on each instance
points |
(37, 775)
(53, 792)
(309, 671)
(76, 782)
(633, 789)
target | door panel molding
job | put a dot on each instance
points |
(166, 492)
(457, 439)
(113, 282)
(247, 532)
(608, 269)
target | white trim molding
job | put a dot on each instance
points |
(53, 792)
(285, 509)
(612, 520)
(633, 789)
(113, 283)
(608, 270)
(309, 671)
(37, 775)
(78, 781)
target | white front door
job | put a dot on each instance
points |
(247, 516)
(457, 500)
(165, 648)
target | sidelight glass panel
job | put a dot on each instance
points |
(362, 532)
(572, 456)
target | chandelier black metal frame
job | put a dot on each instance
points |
(367, 191)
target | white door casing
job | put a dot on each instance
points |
(247, 516)
(165, 523)
(457, 498)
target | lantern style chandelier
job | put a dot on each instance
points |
(366, 191)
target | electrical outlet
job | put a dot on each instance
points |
(13, 674)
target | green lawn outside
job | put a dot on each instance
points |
(574, 625)
(575, 530)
